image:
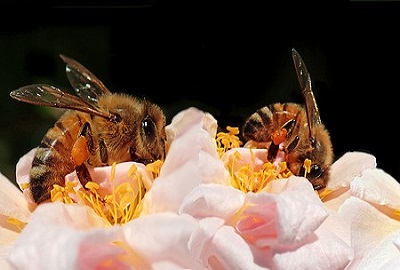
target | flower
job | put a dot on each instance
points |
(211, 204)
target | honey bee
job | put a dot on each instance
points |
(294, 132)
(98, 128)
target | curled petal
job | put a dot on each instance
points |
(213, 200)
(285, 218)
(191, 136)
(23, 168)
(227, 250)
(192, 159)
(378, 187)
(12, 203)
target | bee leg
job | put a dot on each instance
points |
(279, 136)
(83, 174)
(293, 144)
(80, 153)
(272, 151)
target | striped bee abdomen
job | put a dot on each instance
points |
(52, 161)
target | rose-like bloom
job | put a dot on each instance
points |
(202, 210)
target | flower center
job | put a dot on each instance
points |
(245, 177)
(249, 179)
(119, 206)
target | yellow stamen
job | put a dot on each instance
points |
(92, 186)
(123, 204)
(17, 223)
(23, 186)
(324, 193)
(247, 179)
(154, 167)
(226, 141)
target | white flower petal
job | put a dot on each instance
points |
(372, 234)
(212, 200)
(191, 117)
(253, 157)
(322, 251)
(201, 237)
(227, 250)
(7, 238)
(376, 186)
(161, 240)
(348, 166)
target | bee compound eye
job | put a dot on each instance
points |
(315, 171)
(149, 127)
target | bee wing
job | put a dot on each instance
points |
(46, 95)
(313, 115)
(85, 83)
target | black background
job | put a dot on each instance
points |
(227, 58)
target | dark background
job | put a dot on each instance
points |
(227, 59)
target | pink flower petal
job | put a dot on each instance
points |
(23, 168)
(61, 236)
(12, 202)
(285, 218)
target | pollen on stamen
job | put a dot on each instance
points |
(121, 205)
(226, 141)
(307, 166)
(248, 179)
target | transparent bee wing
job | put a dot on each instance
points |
(46, 95)
(84, 82)
(313, 115)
